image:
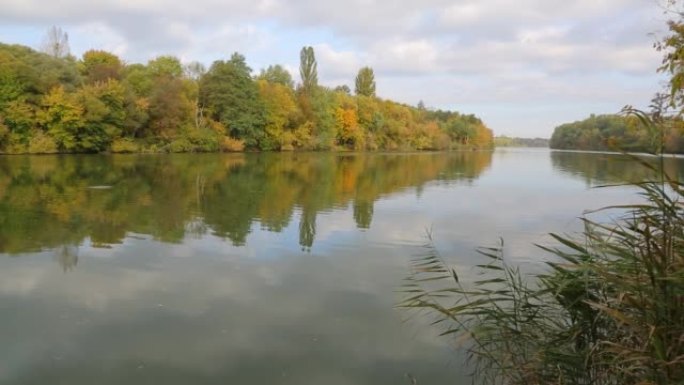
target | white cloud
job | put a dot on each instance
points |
(336, 65)
(408, 56)
(108, 39)
(497, 51)
(462, 14)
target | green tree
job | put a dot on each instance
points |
(165, 66)
(323, 107)
(277, 74)
(344, 89)
(104, 114)
(138, 78)
(308, 69)
(168, 96)
(231, 97)
(365, 82)
(37, 73)
(138, 84)
(604, 132)
(12, 87)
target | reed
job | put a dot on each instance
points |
(608, 309)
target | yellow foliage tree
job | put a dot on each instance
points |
(62, 117)
(349, 133)
(281, 113)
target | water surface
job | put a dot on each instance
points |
(261, 268)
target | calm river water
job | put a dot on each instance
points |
(262, 268)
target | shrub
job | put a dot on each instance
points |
(303, 136)
(16, 144)
(232, 145)
(203, 141)
(179, 145)
(42, 143)
(286, 141)
(124, 145)
(4, 134)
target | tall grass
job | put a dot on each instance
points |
(609, 309)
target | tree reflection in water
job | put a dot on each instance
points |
(46, 202)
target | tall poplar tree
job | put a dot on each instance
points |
(308, 69)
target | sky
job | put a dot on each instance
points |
(523, 66)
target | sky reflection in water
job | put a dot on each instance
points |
(272, 268)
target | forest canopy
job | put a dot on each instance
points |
(52, 102)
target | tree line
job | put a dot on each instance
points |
(52, 102)
(619, 133)
(507, 141)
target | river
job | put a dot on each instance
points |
(263, 268)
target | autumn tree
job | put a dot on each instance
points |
(170, 106)
(99, 103)
(98, 66)
(61, 116)
(138, 84)
(348, 132)
(158, 100)
(19, 117)
(280, 112)
(365, 82)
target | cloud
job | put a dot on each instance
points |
(213, 315)
(498, 46)
(109, 39)
(336, 65)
